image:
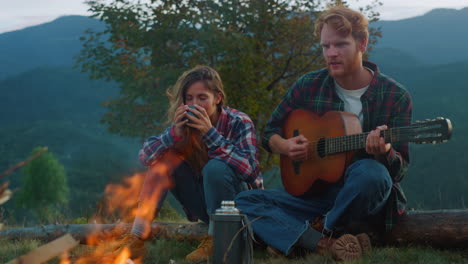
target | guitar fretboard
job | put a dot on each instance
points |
(358, 141)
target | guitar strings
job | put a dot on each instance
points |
(331, 143)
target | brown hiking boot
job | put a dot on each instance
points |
(203, 252)
(364, 241)
(347, 247)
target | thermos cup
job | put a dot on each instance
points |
(229, 240)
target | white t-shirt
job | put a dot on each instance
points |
(352, 99)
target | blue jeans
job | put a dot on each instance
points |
(362, 192)
(199, 196)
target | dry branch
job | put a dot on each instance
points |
(442, 228)
(23, 163)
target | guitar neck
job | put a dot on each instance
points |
(358, 141)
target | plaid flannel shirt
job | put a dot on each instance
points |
(233, 140)
(386, 102)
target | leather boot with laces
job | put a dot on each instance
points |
(203, 252)
(347, 247)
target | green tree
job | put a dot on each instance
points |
(259, 47)
(43, 186)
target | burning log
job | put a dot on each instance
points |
(441, 228)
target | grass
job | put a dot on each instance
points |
(170, 251)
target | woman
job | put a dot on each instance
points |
(208, 154)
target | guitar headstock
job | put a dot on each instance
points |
(431, 131)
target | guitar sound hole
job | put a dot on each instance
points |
(321, 148)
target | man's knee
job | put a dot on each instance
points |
(250, 195)
(370, 175)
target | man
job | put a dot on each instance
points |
(371, 182)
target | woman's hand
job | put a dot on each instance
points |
(201, 122)
(179, 121)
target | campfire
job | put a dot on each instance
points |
(118, 208)
(121, 203)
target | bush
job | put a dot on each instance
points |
(43, 187)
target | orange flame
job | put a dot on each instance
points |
(122, 257)
(123, 200)
(64, 258)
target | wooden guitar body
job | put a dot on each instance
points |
(333, 140)
(299, 177)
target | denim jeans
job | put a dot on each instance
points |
(199, 196)
(202, 198)
(283, 218)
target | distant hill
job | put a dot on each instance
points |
(60, 108)
(53, 93)
(437, 176)
(92, 157)
(50, 44)
(392, 60)
(440, 36)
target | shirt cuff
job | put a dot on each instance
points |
(266, 139)
(391, 156)
(212, 138)
(174, 136)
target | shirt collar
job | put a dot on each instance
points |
(371, 92)
(222, 120)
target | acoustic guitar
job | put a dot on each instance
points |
(333, 140)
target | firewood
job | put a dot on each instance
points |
(169, 230)
(47, 251)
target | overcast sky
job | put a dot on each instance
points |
(17, 14)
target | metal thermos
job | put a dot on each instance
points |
(227, 222)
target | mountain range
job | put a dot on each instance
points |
(44, 101)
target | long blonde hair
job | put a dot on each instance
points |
(191, 147)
